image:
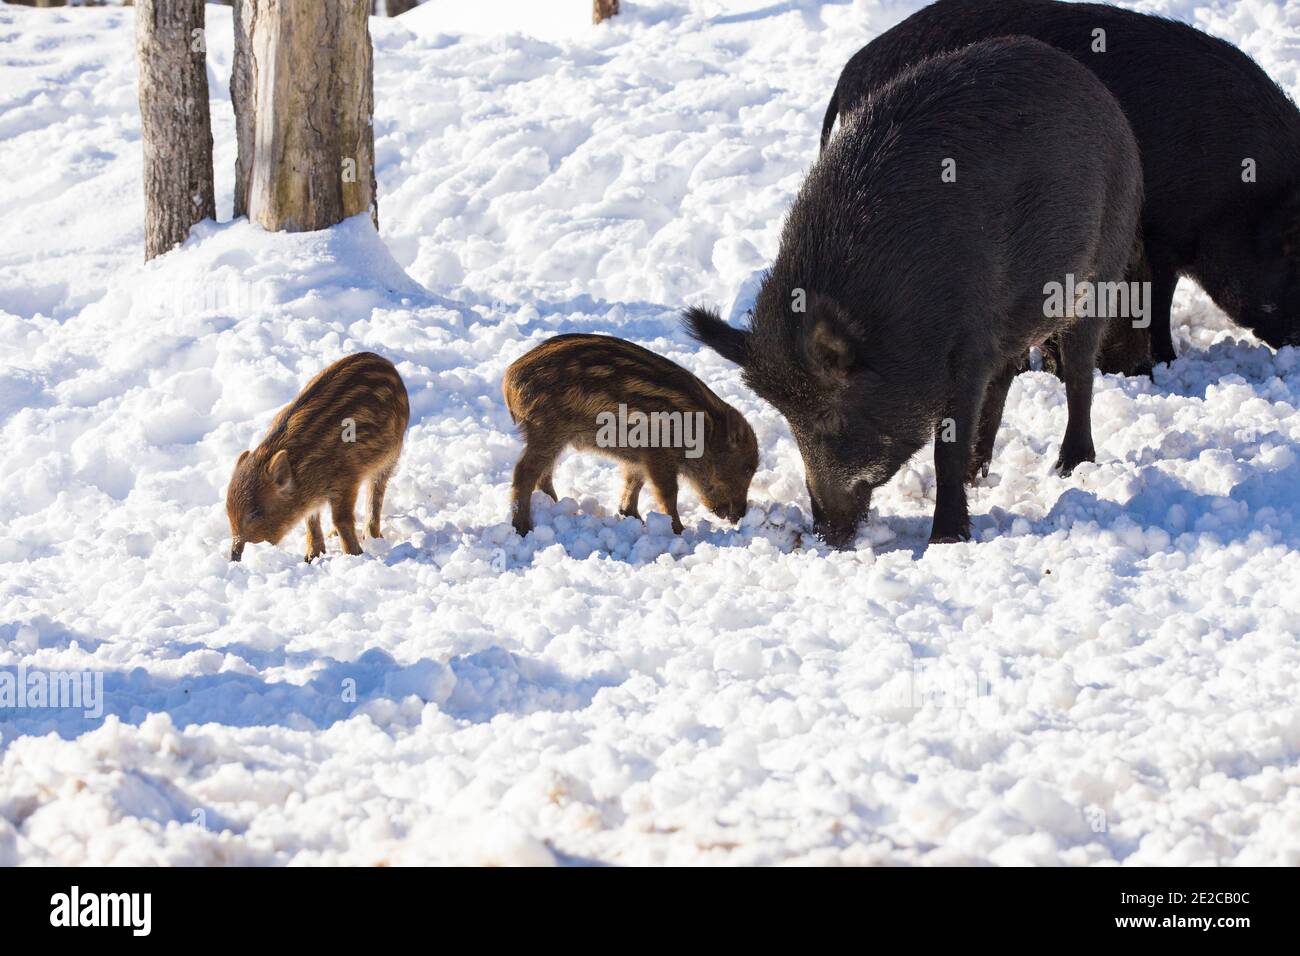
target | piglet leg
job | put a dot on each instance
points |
(633, 481)
(315, 538)
(664, 483)
(546, 485)
(533, 463)
(378, 486)
(343, 514)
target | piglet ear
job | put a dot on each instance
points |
(737, 428)
(280, 472)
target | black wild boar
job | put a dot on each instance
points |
(921, 295)
(345, 426)
(1202, 111)
(607, 395)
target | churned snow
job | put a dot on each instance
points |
(1108, 675)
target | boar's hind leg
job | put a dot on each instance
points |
(343, 514)
(315, 538)
(1126, 344)
(953, 440)
(1079, 346)
(536, 461)
(378, 486)
(1163, 282)
(633, 481)
(664, 482)
(995, 399)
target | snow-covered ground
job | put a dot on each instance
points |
(1107, 676)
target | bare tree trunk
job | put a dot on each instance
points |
(603, 10)
(175, 127)
(303, 91)
(243, 81)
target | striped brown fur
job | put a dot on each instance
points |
(556, 392)
(311, 457)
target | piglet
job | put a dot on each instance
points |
(346, 426)
(603, 394)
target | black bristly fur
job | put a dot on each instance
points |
(1198, 107)
(922, 295)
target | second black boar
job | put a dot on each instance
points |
(1220, 144)
(911, 273)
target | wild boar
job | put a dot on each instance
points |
(1220, 144)
(607, 395)
(912, 267)
(345, 426)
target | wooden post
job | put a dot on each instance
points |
(175, 127)
(303, 90)
(603, 10)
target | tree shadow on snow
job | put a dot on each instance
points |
(474, 687)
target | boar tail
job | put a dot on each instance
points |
(706, 326)
(829, 122)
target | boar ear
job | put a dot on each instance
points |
(707, 327)
(280, 472)
(830, 353)
(242, 455)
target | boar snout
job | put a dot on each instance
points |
(837, 512)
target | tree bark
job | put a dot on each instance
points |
(243, 81)
(603, 10)
(303, 90)
(175, 127)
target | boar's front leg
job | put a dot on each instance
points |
(995, 400)
(1078, 358)
(954, 438)
(663, 479)
(343, 514)
(315, 538)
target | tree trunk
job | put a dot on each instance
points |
(603, 10)
(303, 90)
(243, 81)
(175, 127)
(398, 7)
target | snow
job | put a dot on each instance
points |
(1105, 676)
(551, 20)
